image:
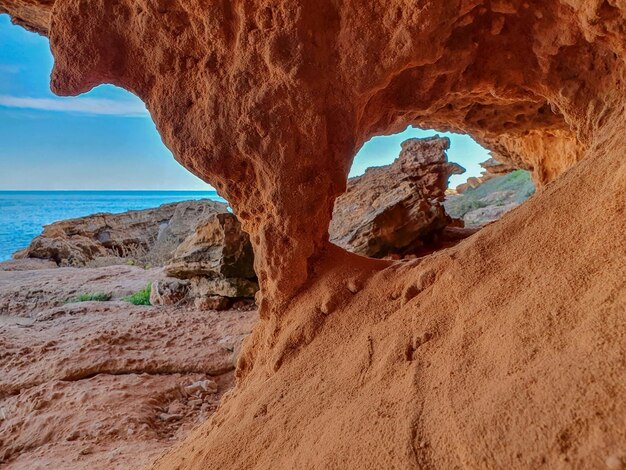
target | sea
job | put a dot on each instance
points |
(24, 213)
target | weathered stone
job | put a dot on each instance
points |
(213, 302)
(150, 235)
(217, 248)
(168, 291)
(269, 102)
(397, 207)
(473, 182)
(97, 375)
(225, 287)
(494, 167)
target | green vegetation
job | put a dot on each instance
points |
(515, 187)
(518, 181)
(140, 298)
(92, 297)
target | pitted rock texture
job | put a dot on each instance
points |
(396, 208)
(420, 364)
(150, 235)
(272, 100)
(505, 351)
(105, 384)
(33, 15)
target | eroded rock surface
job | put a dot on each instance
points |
(420, 364)
(510, 73)
(217, 259)
(280, 157)
(25, 291)
(150, 235)
(106, 384)
(396, 208)
(216, 248)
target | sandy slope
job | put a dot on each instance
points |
(506, 351)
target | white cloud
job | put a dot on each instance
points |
(93, 106)
(10, 68)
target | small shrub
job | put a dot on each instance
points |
(140, 298)
(93, 297)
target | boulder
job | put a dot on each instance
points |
(218, 247)
(225, 287)
(218, 260)
(496, 168)
(395, 208)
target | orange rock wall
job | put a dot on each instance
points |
(504, 351)
(270, 101)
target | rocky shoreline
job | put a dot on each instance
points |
(104, 384)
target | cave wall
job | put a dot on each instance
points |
(269, 101)
(505, 351)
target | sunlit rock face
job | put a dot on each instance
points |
(396, 209)
(33, 15)
(503, 351)
(269, 101)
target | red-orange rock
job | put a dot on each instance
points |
(223, 97)
(104, 384)
(428, 364)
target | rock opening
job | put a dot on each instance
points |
(466, 358)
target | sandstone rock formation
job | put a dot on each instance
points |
(104, 384)
(149, 235)
(396, 208)
(496, 168)
(217, 259)
(216, 248)
(280, 157)
(416, 364)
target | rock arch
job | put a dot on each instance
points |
(268, 101)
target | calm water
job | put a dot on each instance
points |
(24, 213)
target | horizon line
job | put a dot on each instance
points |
(107, 190)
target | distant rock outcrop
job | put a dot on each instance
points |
(492, 168)
(483, 202)
(150, 235)
(398, 207)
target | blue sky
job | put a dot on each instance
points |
(105, 139)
